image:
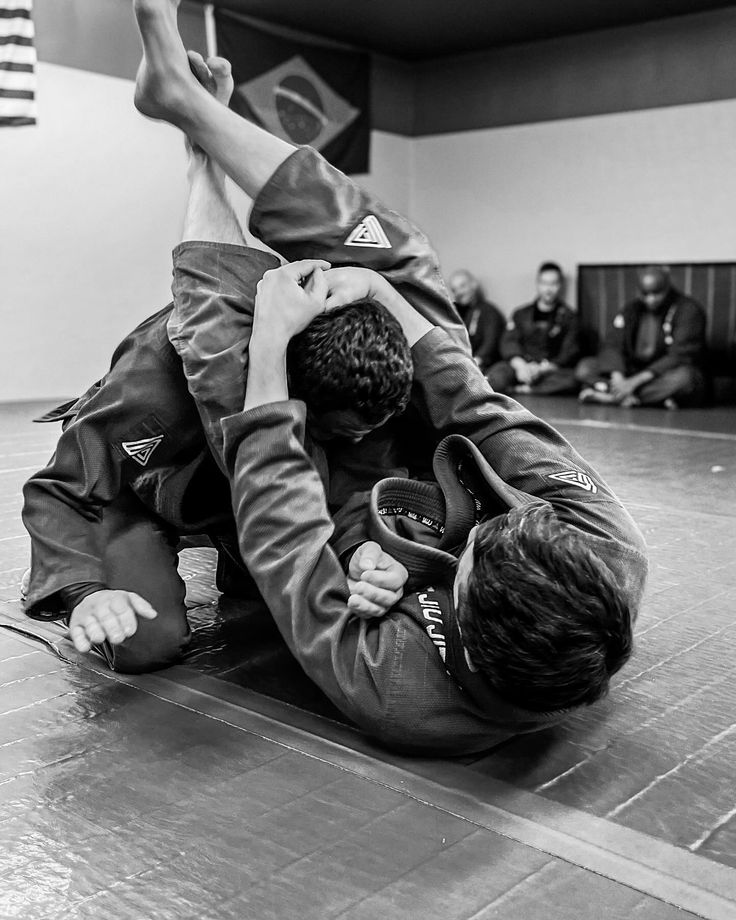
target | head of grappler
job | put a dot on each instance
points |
(351, 365)
(541, 616)
(352, 368)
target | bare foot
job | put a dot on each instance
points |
(215, 74)
(164, 77)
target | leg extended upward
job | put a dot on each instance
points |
(167, 90)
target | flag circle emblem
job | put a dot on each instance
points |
(299, 108)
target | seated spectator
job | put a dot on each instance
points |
(655, 353)
(539, 346)
(483, 320)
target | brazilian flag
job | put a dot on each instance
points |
(299, 88)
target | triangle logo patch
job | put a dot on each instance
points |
(575, 478)
(369, 233)
(141, 451)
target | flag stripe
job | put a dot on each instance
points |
(15, 67)
(13, 82)
(17, 54)
(16, 40)
(17, 63)
(16, 108)
(21, 28)
(15, 121)
(16, 93)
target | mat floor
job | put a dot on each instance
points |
(229, 787)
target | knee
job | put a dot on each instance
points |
(501, 377)
(154, 645)
(684, 380)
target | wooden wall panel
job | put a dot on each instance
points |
(604, 289)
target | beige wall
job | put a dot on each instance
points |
(657, 184)
(92, 205)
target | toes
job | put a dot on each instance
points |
(201, 71)
(219, 66)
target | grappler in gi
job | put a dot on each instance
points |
(524, 570)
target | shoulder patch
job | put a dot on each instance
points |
(576, 478)
(141, 450)
(369, 232)
(619, 322)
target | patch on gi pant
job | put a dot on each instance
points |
(369, 232)
(576, 478)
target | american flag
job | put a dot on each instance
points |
(17, 64)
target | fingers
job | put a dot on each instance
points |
(141, 606)
(107, 616)
(303, 268)
(370, 600)
(392, 579)
(317, 286)
(365, 558)
(79, 638)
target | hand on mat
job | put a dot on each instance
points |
(288, 299)
(346, 285)
(376, 581)
(107, 615)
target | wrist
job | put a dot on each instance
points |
(268, 344)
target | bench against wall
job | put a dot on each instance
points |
(604, 289)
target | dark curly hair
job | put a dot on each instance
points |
(542, 616)
(355, 357)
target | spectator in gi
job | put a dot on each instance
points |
(655, 353)
(483, 320)
(540, 346)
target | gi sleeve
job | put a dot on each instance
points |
(528, 454)
(310, 210)
(686, 340)
(284, 531)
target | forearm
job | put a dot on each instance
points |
(267, 379)
(413, 324)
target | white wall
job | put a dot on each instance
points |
(92, 202)
(651, 185)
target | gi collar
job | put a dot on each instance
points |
(467, 490)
